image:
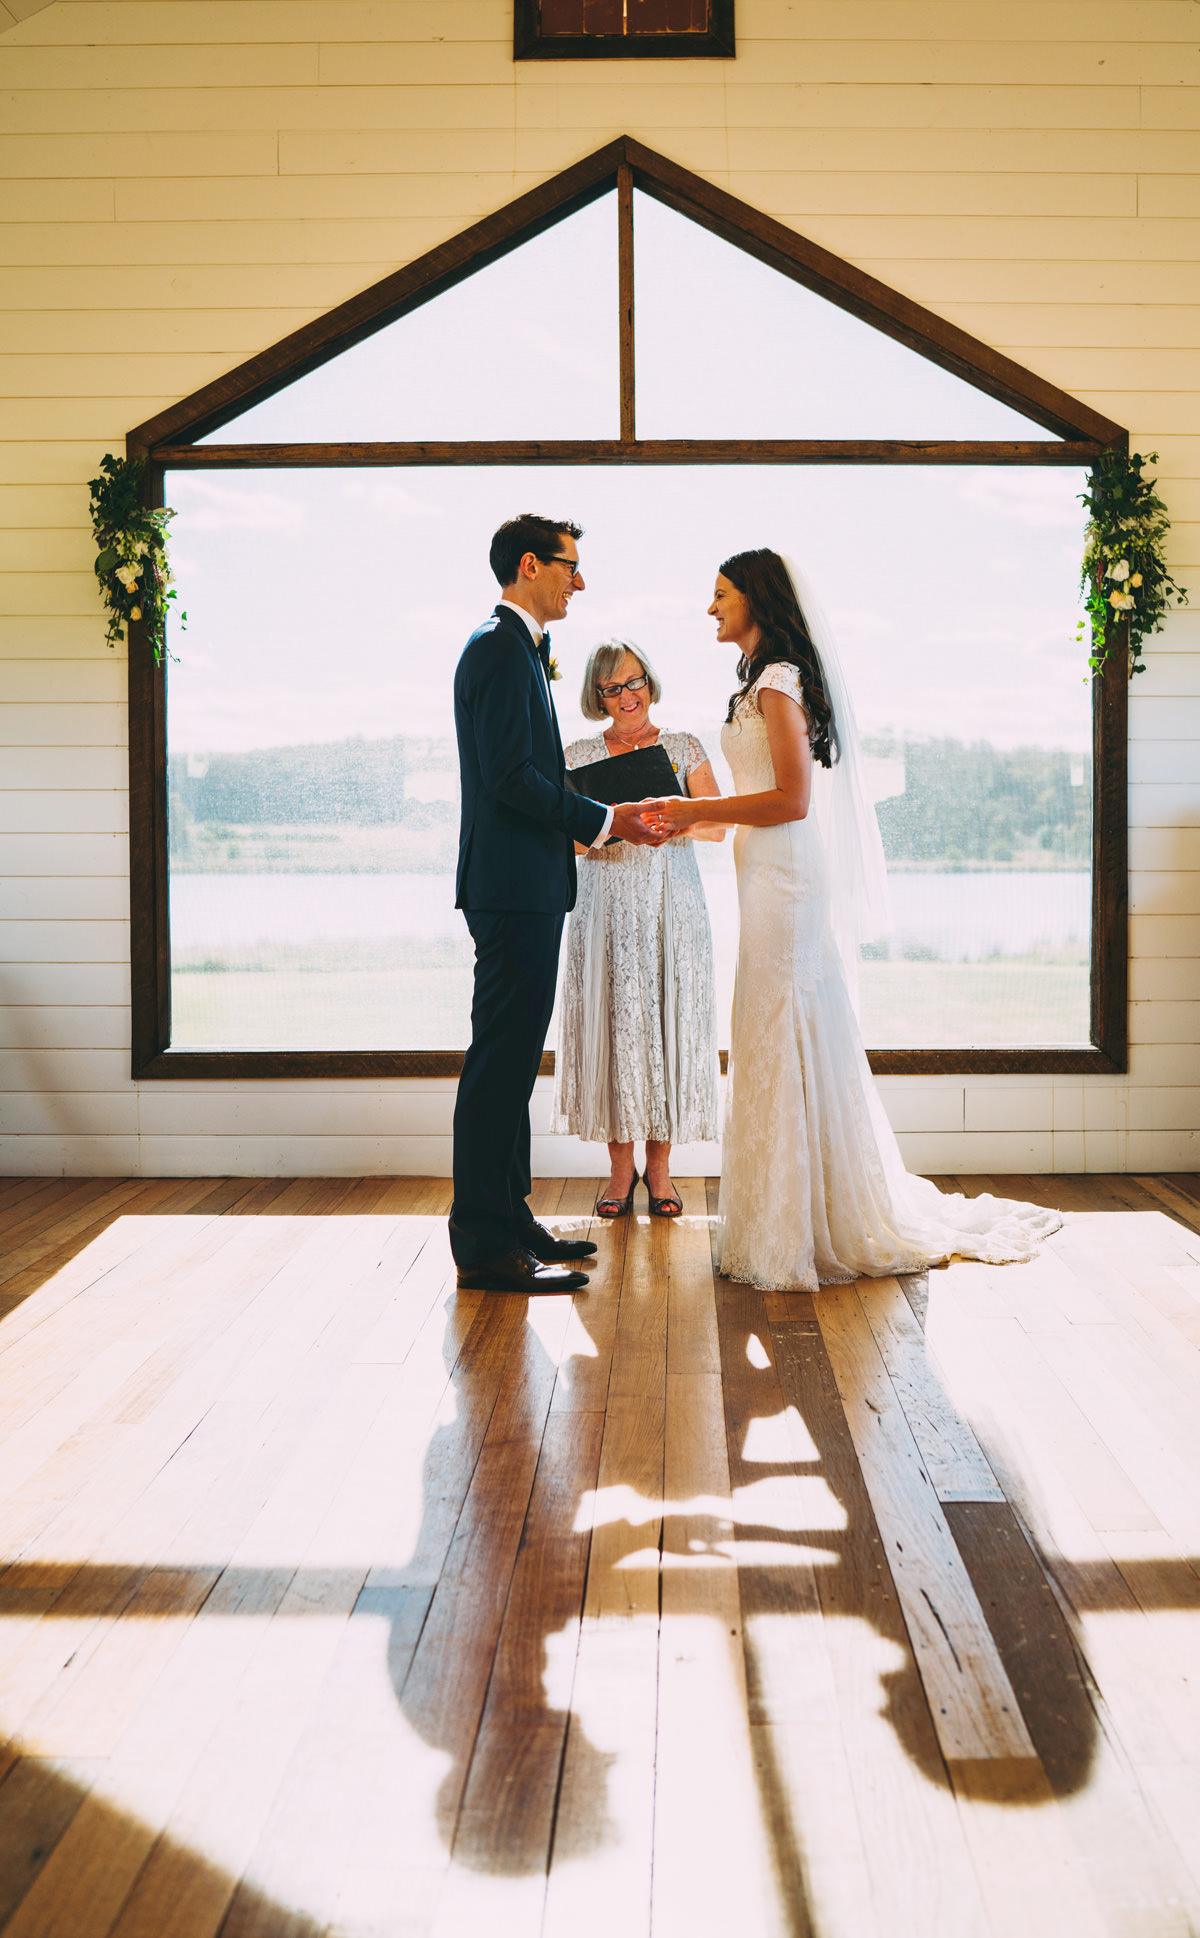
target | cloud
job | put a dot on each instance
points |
(207, 504)
(1044, 497)
(383, 494)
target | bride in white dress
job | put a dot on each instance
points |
(813, 1187)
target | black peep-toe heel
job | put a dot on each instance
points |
(617, 1207)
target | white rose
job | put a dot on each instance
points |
(1119, 569)
(129, 576)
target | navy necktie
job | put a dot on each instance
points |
(543, 648)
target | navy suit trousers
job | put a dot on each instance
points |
(516, 969)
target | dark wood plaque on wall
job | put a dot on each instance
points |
(622, 29)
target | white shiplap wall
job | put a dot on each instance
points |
(184, 181)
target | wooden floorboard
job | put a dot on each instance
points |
(337, 1604)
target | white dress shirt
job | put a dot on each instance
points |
(536, 634)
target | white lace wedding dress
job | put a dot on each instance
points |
(813, 1186)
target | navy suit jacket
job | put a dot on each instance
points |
(518, 818)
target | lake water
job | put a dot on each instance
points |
(951, 918)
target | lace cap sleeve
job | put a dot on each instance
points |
(781, 677)
(579, 753)
(694, 754)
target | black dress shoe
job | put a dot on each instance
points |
(519, 1271)
(551, 1250)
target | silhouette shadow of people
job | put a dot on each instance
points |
(520, 1630)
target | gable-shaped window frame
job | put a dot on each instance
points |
(168, 442)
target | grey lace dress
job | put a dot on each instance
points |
(637, 1047)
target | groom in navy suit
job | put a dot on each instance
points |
(516, 882)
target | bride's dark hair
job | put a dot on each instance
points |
(765, 582)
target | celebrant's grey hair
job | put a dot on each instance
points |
(601, 670)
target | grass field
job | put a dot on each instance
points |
(932, 1005)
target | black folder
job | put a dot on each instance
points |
(644, 775)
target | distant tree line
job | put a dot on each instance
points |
(970, 803)
(355, 781)
(963, 803)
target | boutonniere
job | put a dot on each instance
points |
(552, 670)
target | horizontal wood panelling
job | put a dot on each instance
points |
(49, 417)
(1157, 981)
(1162, 1150)
(1173, 1107)
(1155, 718)
(1010, 1110)
(455, 198)
(69, 1113)
(29, 1030)
(188, 183)
(63, 1070)
(313, 286)
(1158, 762)
(159, 68)
(76, 154)
(136, 23)
(45, 506)
(59, 201)
(86, 682)
(1165, 1022)
(1164, 936)
(70, 1156)
(188, 116)
(26, 549)
(64, 854)
(1163, 892)
(1176, 195)
(40, 595)
(62, 636)
(24, 244)
(1165, 1066)
(234, 332)
(63, 723)
(63, 767)
(974, 279)
(82, 812)
(1165, 805)
(37, 898)
(75, 941)
(873, 107)
(45, 984)
(1054, 239)
(767, 146)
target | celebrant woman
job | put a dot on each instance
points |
(813, 1186)
(637, 1052)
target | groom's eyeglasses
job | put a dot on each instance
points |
(626, 686)
(557, 558)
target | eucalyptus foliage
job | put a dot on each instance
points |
(131, 553)
(1123, 576)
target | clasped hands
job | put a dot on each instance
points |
(650, 823)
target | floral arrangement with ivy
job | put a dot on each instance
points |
(131, 553)
(1124, 578)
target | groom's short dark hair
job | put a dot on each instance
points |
(527, 533)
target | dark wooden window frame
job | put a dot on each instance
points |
(530, 44)
(167, 441)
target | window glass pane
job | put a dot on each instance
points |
(313, 779)
(751, 354)
(526, 348)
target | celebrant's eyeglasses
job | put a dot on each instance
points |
(625, 686)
